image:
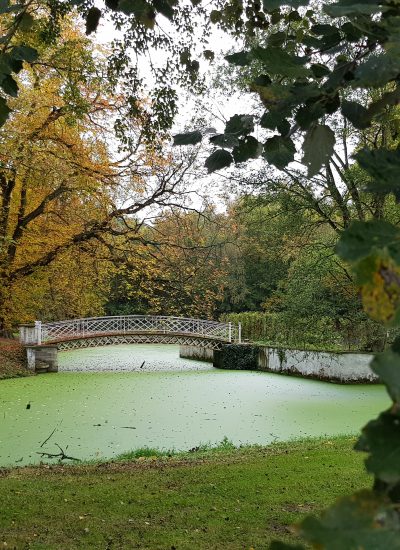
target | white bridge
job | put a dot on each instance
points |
(129, 329)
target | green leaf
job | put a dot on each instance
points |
(9, 86)
(381, 438)
(322, 29)
(383, 166)
(240, 59)
(209, 55)
(4, 111)
(350, 7)
(112, 4)
(24, 53)
(356, 113)
(278, 62)
(309, 114)
(262, 80)
(165, 8)
(16, 65)
(4, 6)
(302, 92)
(248, 148)
(378, 69)
(272, 5)
(284, 127)
(92, 19)
(342, 72)
(279, 151)
(362, 238)
(26, 22)
(215, 16)
(319, 70)
(361, 521)
(240, 125)
(272, 95)
(353, 34)
(277, 39)
(188, 138)
(5, 64)
(318, 148)
(141, 9)
(387, 99)
(135, 7)
(271, 119)
(224, 140)
(332, 103)
(387, 366)
(217, 160)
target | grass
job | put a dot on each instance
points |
(205, 449)
(12, 359)
(223, 498)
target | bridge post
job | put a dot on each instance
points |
(240, 333)
(38, 329)
(28, 334)
(230, 332)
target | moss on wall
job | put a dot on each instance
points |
(237, 357)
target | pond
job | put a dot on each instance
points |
(161, 401)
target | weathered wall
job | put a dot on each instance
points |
(339, 367)
(43, 355)
(237, 357)
(196, 352)
(346, 368)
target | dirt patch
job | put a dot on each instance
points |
(12, 359)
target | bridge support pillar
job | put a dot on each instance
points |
(42, 357)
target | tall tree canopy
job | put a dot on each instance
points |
(63, 183)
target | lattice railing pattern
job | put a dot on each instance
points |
(138, 339)
(132, 324)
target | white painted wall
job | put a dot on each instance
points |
(343, 367)
(196, 352)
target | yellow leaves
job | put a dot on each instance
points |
(381, 293)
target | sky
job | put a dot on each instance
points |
(217, 108)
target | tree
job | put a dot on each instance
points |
(182, 272)
(305, 79)
(256, 261)
(148, 27)
(62, 187)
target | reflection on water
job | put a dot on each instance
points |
(168, 403)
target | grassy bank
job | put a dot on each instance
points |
(12, 359)
(221, 499)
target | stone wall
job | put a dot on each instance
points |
(42, 356)
(336, 367)
(345, 368)
(196, 352)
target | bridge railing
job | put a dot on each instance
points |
(124, 324)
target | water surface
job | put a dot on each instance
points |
(168, 403)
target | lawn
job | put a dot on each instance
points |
(223, 499)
